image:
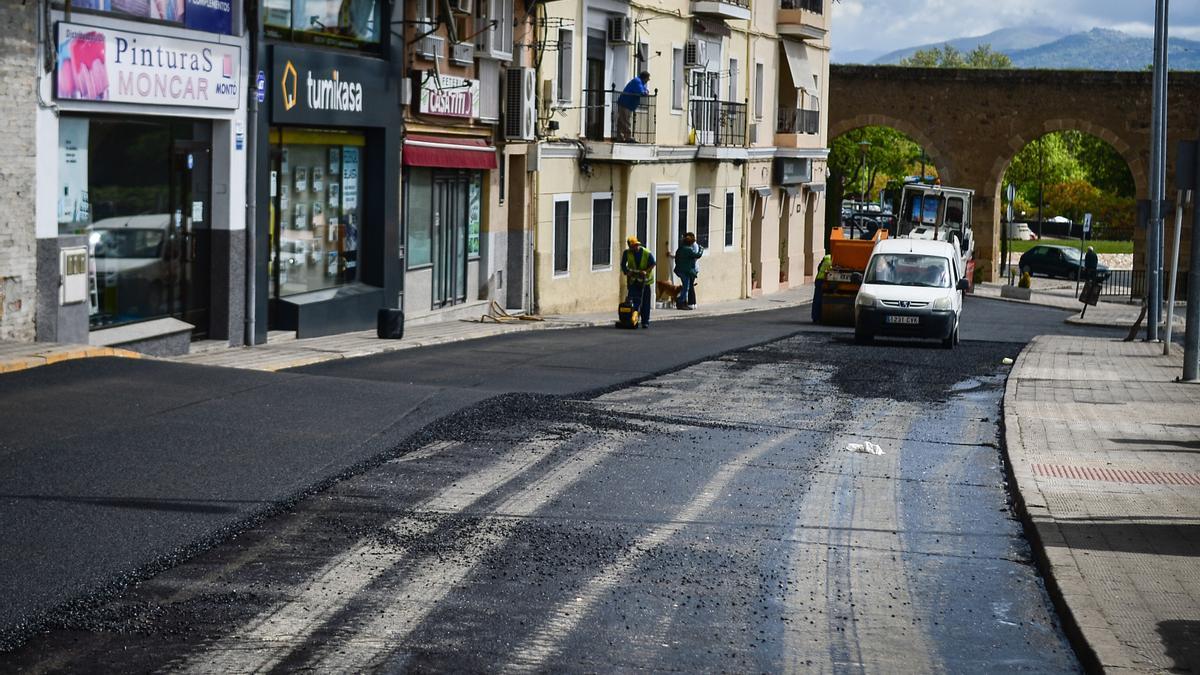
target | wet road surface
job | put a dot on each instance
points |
(707, 519)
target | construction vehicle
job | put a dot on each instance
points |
(935, 211)
(848, 260)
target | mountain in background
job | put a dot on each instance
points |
(1104, 49)
(1005, 40)
(1097, 49)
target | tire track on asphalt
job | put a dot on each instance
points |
(542, 645)
(270, 637)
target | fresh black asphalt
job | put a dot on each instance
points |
(116, 468)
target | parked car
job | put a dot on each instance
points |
(911, 288)
(1057, 261)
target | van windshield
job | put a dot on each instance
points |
(908, 269)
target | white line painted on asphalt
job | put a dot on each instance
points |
(270, 637)
(544, 643)
(402, 609)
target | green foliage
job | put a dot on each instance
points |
(948, 56)
(1113, 217)
(1025, 281)
(889, 158)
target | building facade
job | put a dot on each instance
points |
(18, 170)
(730, 144)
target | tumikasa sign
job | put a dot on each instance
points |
(103, 64)
(319, 87)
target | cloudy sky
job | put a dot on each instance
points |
(885, 25)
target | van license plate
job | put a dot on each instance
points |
(904, 319)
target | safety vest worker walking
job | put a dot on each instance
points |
(637, 264)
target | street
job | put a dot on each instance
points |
(584, 500)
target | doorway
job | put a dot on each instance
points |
(450, 238)
(594, 89)
(189, 233)
(756, 231)
(663, 239)
(791, 200)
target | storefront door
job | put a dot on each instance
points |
(449, 238)
(189, 235)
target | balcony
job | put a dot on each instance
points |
(802, 18)
(736, 10)
(797, 127)
(719, 123)
(606, 120)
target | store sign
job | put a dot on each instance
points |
(213, 16)
(103, 64)
(449, 96)
(318, 87)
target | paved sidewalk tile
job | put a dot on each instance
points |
(1105, 449)
(16, 356)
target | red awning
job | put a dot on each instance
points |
(448, 153)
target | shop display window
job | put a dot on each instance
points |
(316, 209)
(333, 21)
(139, 190)
(211, 17)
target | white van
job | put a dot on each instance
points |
(911, 288)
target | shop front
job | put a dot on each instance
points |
(144, 152)
(329, 255)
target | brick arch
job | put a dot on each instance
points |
(1018, 141)
(939, 159)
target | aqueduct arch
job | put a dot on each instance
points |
(973, 122)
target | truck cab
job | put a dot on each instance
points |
(940, 213)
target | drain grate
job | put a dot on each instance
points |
(1116, 475)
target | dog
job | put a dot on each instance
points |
(667, 291)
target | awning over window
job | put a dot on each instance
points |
(711, 26)
(764, 192)
(449, 153)
(804, 72)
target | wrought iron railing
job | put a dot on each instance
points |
(816, 6)
(718, 122)
(611, 115)
(798, 121)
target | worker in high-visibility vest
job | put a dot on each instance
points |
(637, 263)
(819, 286)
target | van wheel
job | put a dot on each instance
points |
(951, 340)
(862, 337)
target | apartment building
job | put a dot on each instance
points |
(730, 143)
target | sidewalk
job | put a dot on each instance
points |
(16, 356)
(1061, 294)
(292, 353)
(1104, 447)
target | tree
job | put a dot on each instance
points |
(889, 156)
(948, 56)
(1046, 161)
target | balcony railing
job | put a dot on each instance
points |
(798, 121)
(606, 118)
(815, 6)
(718, 122)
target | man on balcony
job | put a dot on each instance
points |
(627, 103)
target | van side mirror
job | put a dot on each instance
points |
(962, 285)
(856, 278)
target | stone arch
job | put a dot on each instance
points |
(939, 159)
(1141, 182)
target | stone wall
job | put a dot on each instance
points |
(973, 122)
(18, 106)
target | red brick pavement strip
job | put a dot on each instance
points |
(1100, 444)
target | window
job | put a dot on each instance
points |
(494, 41)
(418, 201)
(602, 205)
(702, 201)
(643, 57)
(336, 22)
(733, 80)
(758, 90)
(683, 215)
(679, 80)
(566, 41)
(729, 220)
(643, 219)
(194, 15)
(562, 235)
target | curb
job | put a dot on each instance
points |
(59, 354)
(1024, 487)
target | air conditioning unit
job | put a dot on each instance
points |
(620, 30)
(463, 6)
(430, 47)
(520, 104)
(463, 54)
(695, 53)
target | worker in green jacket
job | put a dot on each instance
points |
(819, 286)
(687, 268)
